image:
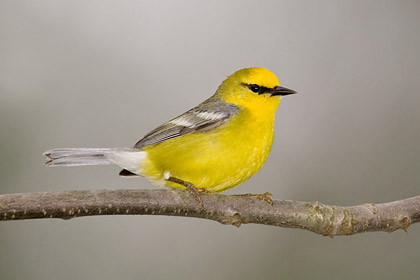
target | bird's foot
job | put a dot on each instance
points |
(190, 188)
(267, 197)
(204, 190)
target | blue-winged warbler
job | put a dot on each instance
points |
(217, 145)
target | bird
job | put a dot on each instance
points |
(211, 148)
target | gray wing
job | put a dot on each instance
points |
(208, 115)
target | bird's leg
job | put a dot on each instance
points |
(190, 188)
(267, 197)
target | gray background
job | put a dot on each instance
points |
(104, 73)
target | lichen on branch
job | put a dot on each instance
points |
(328, 220)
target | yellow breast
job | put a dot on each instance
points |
(218, 159)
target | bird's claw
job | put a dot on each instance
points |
(203, 190)
(267, 197)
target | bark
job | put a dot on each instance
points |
(329, 220)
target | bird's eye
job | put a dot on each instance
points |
(254, 87)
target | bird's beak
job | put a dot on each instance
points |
(278, 90)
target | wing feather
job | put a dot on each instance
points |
(206, 116)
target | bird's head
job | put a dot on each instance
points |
(253, 87)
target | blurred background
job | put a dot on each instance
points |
(104, 73)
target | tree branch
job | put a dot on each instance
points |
(329, 220)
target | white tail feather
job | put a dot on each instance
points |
(127, 158)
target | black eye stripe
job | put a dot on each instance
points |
(263, 90)
(257, 89)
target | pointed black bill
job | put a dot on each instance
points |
(278, 90)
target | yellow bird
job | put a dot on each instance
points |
(215, 146)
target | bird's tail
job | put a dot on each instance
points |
(127, 158)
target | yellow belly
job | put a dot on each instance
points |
(218, 159)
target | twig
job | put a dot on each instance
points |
(322, 219)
